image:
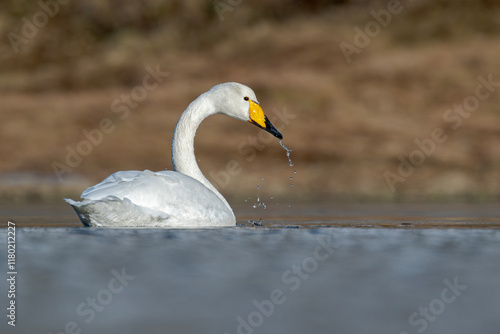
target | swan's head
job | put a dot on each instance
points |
(239, 101)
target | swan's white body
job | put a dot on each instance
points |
(152, 199)
(180, 198)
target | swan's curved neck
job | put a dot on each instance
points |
(183, 158)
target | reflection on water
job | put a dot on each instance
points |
(267, 279)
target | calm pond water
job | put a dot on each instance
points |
(344, 268)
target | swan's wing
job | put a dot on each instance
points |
(155, 190)
(96, 191)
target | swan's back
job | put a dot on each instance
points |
(152, 199)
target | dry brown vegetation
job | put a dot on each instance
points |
(352, 120)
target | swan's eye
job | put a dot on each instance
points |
(246, 98)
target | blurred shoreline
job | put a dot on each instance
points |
(107, 81)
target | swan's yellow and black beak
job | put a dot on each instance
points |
(258, 118)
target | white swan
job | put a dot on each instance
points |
(180, 198)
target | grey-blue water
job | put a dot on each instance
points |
(289, 276)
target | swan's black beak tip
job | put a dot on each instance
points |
(272, 130)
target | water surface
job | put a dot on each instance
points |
(309, 269)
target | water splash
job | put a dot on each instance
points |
(289, 160)
(259, 203)
(290, 164)
(287, 152)
(256, 223)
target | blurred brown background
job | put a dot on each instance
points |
(67, 66)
